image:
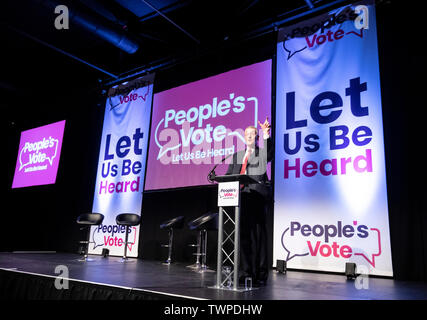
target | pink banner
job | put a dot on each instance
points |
(38, 155)
(198, 124)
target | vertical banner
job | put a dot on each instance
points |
(121, 165)
(330, 179)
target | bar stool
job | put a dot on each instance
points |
(128, 220)
(175, 223)
(87, 220)
(203, 224)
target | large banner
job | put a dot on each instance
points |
(330, 180)
(121, 165)
(196, 125)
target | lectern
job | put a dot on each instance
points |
(229, 187)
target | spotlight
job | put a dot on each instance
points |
(281, 266)
(350, 270)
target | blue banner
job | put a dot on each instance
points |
(330, 179)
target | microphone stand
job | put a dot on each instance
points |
(211, 174)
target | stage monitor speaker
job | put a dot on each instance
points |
(350, 270)
(281, 266)
(105, 252)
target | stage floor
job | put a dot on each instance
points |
(177, 281)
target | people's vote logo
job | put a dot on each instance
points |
(327, 30)
(38, 155)
(41, 153)
(337, 241)
(113, 236)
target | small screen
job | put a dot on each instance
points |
(38, 155)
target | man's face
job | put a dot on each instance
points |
(250, 137)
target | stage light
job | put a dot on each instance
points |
(281, 266)
(350, 270)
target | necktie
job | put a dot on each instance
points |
(245, 162)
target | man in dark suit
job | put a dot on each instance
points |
(253, 233)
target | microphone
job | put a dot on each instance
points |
(211, 174)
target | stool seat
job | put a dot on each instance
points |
(128, 219)
(176, 223)
(208, 221)
(90, 218)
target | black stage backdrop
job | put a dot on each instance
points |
(43, 217)
(403, 72)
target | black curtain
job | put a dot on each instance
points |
(402, 68)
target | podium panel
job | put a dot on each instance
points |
(228, 194)
(229, 230)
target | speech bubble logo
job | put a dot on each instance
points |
(371, 260)
(145, 94)
(131, 244)
(288, 248)
(163, 135)
(98, 240)
(38, 152)
(293, 46)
